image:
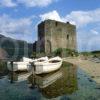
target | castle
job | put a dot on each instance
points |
(54, 34)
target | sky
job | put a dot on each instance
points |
(19, 19)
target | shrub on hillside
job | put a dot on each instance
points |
(65, 52)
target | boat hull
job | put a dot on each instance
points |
(19, 66)
(47, 67)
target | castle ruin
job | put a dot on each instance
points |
(54, 34)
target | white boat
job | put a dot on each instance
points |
(19, 66)
(25, 59)
(42, 59)
(48, 66)
(25, 64)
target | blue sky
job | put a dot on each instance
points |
(19, 19)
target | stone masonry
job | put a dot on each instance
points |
(54, 34)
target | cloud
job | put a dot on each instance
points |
(27, 3)
(93, 43)
(51, 15)
(54, 15)
(9, 25)
(94, 32)
(80, 18)
(7, 3)
(34, 3)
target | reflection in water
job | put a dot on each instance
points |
(61, 82)
(3, 69)
(68, 83)
(18, 77)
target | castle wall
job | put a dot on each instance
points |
(56, 35)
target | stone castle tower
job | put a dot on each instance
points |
(54, 34)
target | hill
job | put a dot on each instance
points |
(15, 48)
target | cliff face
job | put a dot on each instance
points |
(14, 48)
(3, 54)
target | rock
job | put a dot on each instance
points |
(3, 54)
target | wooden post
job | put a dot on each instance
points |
(33, 84)
(33, 68)
(11, 65)
(11, 72)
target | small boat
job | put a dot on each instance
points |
(19, 66)
(42, 59)
(25, 64)
(48, 66)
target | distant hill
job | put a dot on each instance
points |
(96, 52)
(15, 48)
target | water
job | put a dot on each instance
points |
(68, 83)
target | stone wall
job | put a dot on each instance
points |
(53, 34)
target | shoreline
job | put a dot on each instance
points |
(91, 68)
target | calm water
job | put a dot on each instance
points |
(68, 83)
